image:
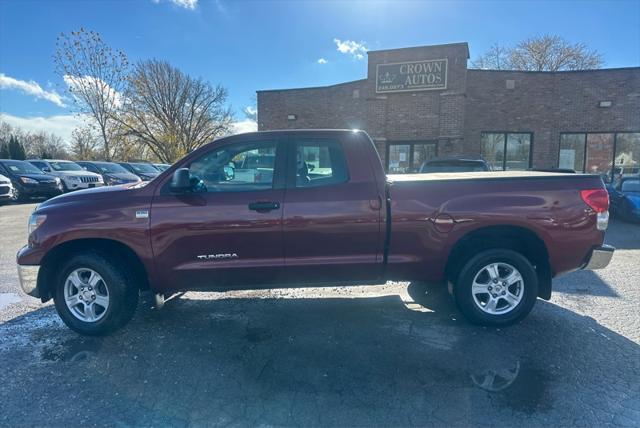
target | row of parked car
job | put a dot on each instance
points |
(21, 180)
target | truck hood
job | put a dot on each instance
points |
(93, 194)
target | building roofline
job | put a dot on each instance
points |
(312, 87)
(594, 70)
(464, 44)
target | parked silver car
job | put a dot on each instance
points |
(6, 189)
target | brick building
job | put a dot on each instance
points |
(422, 102)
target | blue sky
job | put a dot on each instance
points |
(249, 45)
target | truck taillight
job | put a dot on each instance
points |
(598, 200)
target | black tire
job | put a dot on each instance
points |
(464, 298)
(122, 289)
(17, 195)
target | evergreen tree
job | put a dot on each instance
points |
(16, 149)
(4, 151)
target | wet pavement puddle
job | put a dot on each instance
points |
(72, 350)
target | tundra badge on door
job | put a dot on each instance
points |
(222, 256)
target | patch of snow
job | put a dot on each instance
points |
(7, 299)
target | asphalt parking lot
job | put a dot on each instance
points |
(362, 356)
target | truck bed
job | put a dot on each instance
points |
(484, 175)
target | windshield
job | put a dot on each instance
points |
(20, 167)
(631, 186)
(108, 167)
(143, 167)
(65, 166)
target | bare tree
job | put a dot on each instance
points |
(84, 144)
(95, 75)
(171, 112)
(496, 58)
(544, 53)
(43, 145)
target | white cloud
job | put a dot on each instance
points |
(61, 125)
(242, 126)
(187, 4)
(31, 88)
(355, 49)
(87, 81)
(322, 61)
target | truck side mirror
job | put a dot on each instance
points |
(180, 182)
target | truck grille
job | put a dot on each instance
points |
(88, 179)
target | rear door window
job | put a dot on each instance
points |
(319, 163)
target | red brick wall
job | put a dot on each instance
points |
(545, 104)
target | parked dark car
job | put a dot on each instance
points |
(28, 181)
(625, 198)
(453, 165)
(112, 173)
(162, 166)
(487, 233)
(145, 171)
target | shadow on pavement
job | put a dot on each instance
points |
(623, 235)
(585, 282)
(319, 361)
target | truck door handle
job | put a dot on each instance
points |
(264, 206)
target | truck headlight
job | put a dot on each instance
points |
(35, 220)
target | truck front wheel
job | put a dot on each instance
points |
(94, 296)
(496, 287)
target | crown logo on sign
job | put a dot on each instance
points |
(387, 78)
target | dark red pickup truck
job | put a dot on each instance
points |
(302, 207)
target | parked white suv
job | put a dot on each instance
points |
(6, 189)
(73, 176)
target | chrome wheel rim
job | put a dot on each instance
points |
(86, 295)
(497, 288)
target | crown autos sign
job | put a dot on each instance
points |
(412, 76)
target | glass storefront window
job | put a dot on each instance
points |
(518, 149)
(506, 151)
(572, 152)
(493, 150)
(405, 158)
(599, 150)
(627, 156)
(593, 153)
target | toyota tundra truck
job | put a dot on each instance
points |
(326, 212)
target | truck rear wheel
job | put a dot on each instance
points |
(94, 296)
(496, 287)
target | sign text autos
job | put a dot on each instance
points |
(411, 76)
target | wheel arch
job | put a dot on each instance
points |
(108, 247)
(517, 238)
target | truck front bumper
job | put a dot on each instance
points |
(599, 257)
(28, 276)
